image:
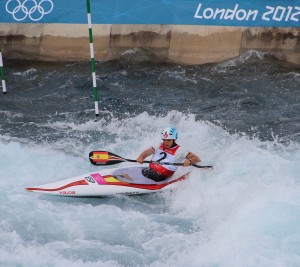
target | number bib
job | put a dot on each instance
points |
(164, 155)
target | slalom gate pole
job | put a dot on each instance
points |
(88, 6)
(2, 73)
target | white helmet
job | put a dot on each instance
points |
(169, 133)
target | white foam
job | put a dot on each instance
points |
(244, 212)
(224, 66)
(26, 72)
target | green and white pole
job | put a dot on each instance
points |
(88, 6)
(2, 73)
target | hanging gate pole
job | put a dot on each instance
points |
(88, 6)
(2, 73)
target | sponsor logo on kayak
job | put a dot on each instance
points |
(89, 179)
(99, 179)
(67, 192)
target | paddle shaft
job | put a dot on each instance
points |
(116, 159)
(167, 163)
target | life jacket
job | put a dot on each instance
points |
(163, 154)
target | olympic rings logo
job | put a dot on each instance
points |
(29, 8)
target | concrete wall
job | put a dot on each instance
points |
(178, 44)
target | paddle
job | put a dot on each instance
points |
(108, 158)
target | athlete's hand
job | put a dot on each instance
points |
(139, 160)
(186, 163)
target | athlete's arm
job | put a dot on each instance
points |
(149, 151)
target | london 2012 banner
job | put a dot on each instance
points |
(250, 13)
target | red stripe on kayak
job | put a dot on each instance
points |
(81, 182)
(150, 186)
(141, 186)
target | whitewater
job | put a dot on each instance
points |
(243, 212)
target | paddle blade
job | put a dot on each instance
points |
(104, 158)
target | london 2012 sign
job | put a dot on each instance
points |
(249, 13)
(277, 13)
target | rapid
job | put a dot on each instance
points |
(241, 116)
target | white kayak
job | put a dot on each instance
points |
(109, 182)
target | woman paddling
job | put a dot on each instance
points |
(168, 151)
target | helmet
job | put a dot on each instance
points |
(169, 133)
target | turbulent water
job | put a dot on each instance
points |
(241, 116)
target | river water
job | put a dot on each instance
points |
(241, 116)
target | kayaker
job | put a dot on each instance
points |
(167, 151)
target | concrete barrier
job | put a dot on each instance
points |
(170, 43)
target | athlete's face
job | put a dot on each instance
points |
(168, 143)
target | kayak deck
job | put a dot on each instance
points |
(126, 181)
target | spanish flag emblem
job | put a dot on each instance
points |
(100, 156)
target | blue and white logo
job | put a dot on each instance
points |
(33, 9)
